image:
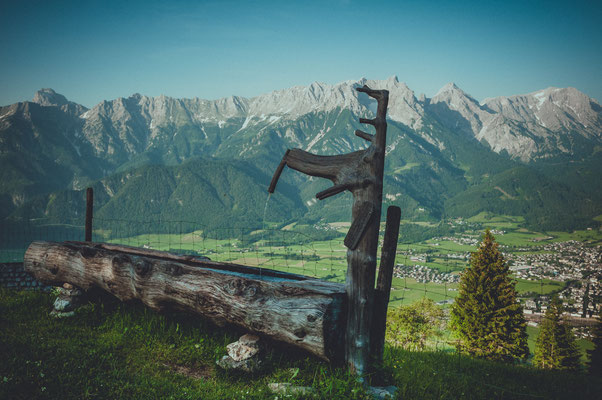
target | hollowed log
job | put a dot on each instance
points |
(306, 312)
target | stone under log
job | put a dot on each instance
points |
(305, 312)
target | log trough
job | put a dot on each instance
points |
(303, 311)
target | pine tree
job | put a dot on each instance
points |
(556, 345)
(486, 316)
(595, 355)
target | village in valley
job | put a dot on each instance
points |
(567, 265)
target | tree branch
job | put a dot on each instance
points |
(331, 191)
(368, 121)
(364, 135)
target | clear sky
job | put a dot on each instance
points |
(96, 50)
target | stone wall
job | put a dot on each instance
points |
(12, 275)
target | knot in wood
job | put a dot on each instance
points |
(235, 287)
(142, 267)
(300, 333)
(119, 261)
(88, 252)
(251, 291)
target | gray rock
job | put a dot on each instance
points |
(378, 392)
(243, 355)
(62, 304)
(249, 365)
(61, 314)
(289, 389)
(68, 299)
(246, 347)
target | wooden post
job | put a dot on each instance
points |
(383, 285)
(361, 173)
(89, 213)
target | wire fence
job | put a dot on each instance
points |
(317, 252)
(316, 255)
(266, 248)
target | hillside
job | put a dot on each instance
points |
(199, 190)
(115, 350)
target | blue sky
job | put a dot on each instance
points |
(96, 50)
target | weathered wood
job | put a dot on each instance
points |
(358, 226)
(361, 173)
(277, 173)
(306, 312)
(364, 135)
(383, 284)
(89, 214)
(361, 262)
(331, 191)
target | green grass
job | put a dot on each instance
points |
(111, 350)
(327, 259)
(406, 291)
(543, 286)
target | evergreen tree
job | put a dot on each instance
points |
(556, 346)
(595, 355)
(486, 316)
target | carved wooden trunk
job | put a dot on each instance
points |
(303, 311)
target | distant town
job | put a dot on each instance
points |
(574, 265)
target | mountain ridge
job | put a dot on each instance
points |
(437, 147)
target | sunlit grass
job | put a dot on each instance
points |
(112, 350)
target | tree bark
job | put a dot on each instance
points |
(306, 312)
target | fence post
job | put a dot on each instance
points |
(383, 286)
(89, 213)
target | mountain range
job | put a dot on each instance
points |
(536, 155)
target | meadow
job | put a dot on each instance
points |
(298, 248)
(113, 350)
(291, 250)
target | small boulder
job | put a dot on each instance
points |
(243, 355)
(249, 365)
(68, 299)
(378, 392)
(289, 389)
(246, 347)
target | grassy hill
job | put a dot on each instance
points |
(111, 350)
(545, 204)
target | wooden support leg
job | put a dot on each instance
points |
(383, 285)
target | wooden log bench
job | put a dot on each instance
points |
(303, 311)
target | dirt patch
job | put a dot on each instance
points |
(504, 192)
(203, 372)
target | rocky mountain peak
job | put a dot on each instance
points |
(458, 110)
(48, 97)
(449, 87)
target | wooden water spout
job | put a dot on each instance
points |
(361, 173)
